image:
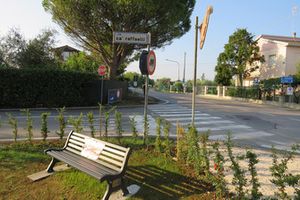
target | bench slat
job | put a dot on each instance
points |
(66, 156)
(111, 150)
(77, 138)
(110, 161)
(114, 156)
(81, 166)
(75, 146)
(110, 166)
(76, 142)
(73, 150)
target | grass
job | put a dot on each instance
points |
(158, 176)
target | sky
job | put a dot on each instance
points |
(272, 17)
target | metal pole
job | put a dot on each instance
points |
(178, 72)
(100, 109)
(183, 79)
(195, 72)
(146, 104)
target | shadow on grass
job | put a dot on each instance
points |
(158, 183)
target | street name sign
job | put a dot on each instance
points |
(131, 38)
(286, 79)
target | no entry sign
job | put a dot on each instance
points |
(151, 62)
(102, 70)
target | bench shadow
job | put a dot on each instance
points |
(157, 183)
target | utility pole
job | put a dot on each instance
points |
(183, 78)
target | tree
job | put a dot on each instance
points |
(163, 84)
(81, 62)
(224, 71)
(37, 53)
(240, 50)
(92, 23)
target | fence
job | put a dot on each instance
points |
(256, 93)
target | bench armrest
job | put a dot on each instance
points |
(53, 149)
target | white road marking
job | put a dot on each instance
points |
(189, 118)
(208, 122)
(181, 115)
(230, 127)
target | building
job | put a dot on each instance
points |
(282, 55)
(64, 52)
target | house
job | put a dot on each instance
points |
(282, 55)
(64, 52)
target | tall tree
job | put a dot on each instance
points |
(224, 71)
(92, 22)
(240, 50)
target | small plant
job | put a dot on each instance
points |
(100, 118)
(62, 122)
(279, 172)
(181, 144)
(219, 180)
(44, 126)
(13, 122)
(252, 161)
(76, 123)
(146, 130)
(133, 127)
(29, 126)
(193, 149)
(90, 116)
(106, 120)
(118, 121)
(158, 145)
(204, 153)
(167, 144)
(239, 180)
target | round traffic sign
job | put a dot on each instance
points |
(151, 62)
(102, 70)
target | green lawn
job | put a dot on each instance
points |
(159, 177)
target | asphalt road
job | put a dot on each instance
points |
(250, 124)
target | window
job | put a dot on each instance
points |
(272, 60)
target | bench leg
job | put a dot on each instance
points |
(51, 165)
(124, 188)
(109, 190)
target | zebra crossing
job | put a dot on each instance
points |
(218, 126)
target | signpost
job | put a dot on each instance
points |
(102, 70)
(289, 91)
(139, 38)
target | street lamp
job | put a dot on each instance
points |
(178, 67)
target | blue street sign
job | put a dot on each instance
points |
(287, 79)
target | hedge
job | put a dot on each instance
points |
(23, 88)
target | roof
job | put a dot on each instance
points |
(67, 48)
(279, 38)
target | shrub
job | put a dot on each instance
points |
(239, 181)
(118, 122)
(133, 127)
(146, 130)
(100, 118)
(166, 129)
(193, 149)
(76, 123)
(204, 153)
(106, 121)
(44, 126)
(13, 122)
(62, 122)
(21, 88)
(29, 127)
(252, 161)
(158, 145)
(90, 116)
(181, 144)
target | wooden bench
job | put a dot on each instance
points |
(100, 159)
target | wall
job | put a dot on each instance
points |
(293, 59)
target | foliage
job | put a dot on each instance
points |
(76, 123)
(239, 181)
(100, 118)
(204, 153)
(279, 172)
(106, 120)
(240, 50)
(62, 122)
(181, 143)
(166, 129)
(43, 87)
(44, 125)
(178, 86)
(158, 145)
(90, 116)
(252, 158)
(244, 92)
(133, 128)
(130, 77)
(193, 149)
(219, 181)
(163, 84)
(81, 62)
(13, 122)
(29, 127)
(92, 23)
(118, 122)
(146, 130)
